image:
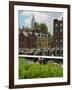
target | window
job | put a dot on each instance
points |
(61, 30)
(56, 30)
(46, 40)
(46, 44)
(56, 40)
(61, 25)
(56, 45)
(55, 37)
(61, 45)
(61, 40)
(56, 25)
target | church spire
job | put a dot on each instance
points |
(33, 22)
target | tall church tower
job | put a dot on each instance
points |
(33, 22)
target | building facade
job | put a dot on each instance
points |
(27, 40)
(32, 40)
(42, 41)
(58, 33)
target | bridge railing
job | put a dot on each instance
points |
(46, 52)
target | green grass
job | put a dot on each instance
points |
(36, 70)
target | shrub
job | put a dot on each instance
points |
(35, 70)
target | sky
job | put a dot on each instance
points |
(25, 17)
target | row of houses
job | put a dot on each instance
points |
(32, 40)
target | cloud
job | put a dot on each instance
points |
(26, 13)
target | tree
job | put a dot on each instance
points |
(50, 40)
(43, 28)
(27, 29)
(36, 25)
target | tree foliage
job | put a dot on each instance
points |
(43, 28)
(50, 40)
(36, 25)
(35, 70)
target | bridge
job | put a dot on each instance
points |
(42, 51)
(42, 55)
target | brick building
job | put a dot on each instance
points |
(27, 40)
(58, 33)
(32, 40)
(42, 41)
